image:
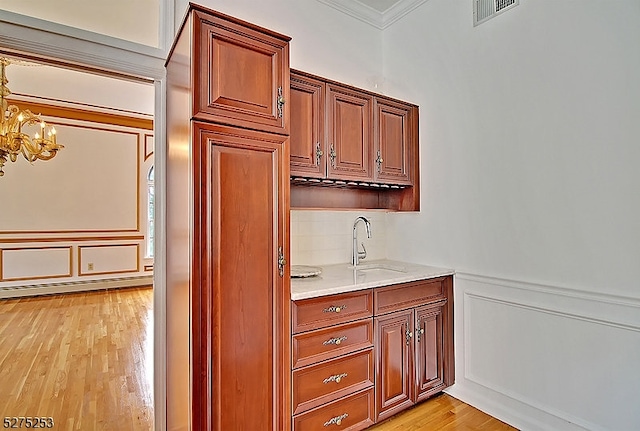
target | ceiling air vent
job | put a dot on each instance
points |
(486, 9)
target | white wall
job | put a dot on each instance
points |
(324, 41)
(78, 221)
(330, 44)
(529, 150)
(326, 237)
(136, 21)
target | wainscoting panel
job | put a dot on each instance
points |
(92, 185)
(545, 357)
(108, 259)
(35, 263)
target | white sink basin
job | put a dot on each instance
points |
(380, 269)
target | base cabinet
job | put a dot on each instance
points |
(409, 367)
(361, 357)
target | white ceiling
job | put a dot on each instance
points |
(378, 13)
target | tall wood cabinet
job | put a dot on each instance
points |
(228, 292)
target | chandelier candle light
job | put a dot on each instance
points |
(13, 141)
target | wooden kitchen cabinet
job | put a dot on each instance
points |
(227, 285)
(409, 365)
(349, 130)
(394, 363)
(333, 362)
(429, 350)
(242, 73)
(405, 329)
(395, 128)
(414, 346)
(307, 137)
(351, 148)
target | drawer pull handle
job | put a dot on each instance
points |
(335, 378)
(334, 309)
(336, 340)
(336, 420)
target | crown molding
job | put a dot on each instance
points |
(371, 16)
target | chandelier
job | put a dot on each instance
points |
(13, 141)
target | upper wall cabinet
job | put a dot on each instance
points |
(394, 141)
(349, 133)
(362, 147)
(244, 74)
(308, 152)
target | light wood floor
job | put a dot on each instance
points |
(86, 360)
(442, 413)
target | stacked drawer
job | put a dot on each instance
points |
(333, 362)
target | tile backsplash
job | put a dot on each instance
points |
(325, 237)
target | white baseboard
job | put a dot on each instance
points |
(77, 286)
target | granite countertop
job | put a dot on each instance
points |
(343, 278)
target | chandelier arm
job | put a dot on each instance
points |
(13, 141)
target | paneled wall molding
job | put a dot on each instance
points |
(15, 263)
(37, 238)
(539, 356)
(596, 306)
(120, 258)
(75, 111)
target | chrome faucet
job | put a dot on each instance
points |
(356, 255)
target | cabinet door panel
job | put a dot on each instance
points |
(240, 72)
(429, 351)
(394, 383)
(241, 343)
(393, 142)
(349, 124)
(308, 152)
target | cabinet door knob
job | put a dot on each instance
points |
(419, 332)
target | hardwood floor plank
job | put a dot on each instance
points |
(84, 359)
(442, 413)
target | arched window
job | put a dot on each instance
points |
(150, 207)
